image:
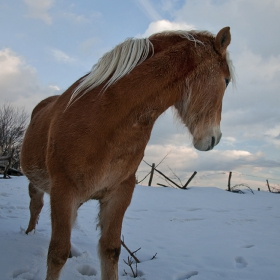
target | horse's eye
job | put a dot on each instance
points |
(227, 81)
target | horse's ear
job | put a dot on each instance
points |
(223, 40)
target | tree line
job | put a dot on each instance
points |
(13, 122)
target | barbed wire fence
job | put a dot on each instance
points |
(220, 179)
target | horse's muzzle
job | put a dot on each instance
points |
(208, 143)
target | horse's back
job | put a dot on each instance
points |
(33, 152)
(43, 104)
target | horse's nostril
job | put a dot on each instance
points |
(212, 142)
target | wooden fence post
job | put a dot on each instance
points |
(268, 186)
(152, 174)
(185, 186)
(229, 178)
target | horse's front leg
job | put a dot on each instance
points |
(64, 207)
(112, 209)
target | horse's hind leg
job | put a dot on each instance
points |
(64, 207)
(112, 210)
(35, 207)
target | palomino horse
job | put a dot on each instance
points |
(88, 142)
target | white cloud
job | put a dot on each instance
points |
(162, 25)
(252, 108)
(15, 74)
(39, 9)
(61, 56)
(53, 87)
(274, 132)
(167, 5)
(243, 155)
(273, 136)
(88, 45)
(77, 19)
(213, 167)
(229, 140)
(149, 10)
(10, 63)
(183, 158)
(253, 23)
(19, 84)
(177, 153)
(255, 68)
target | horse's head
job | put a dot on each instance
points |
(201, 106)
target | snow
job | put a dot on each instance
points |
(200, 233)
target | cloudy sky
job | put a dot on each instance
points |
(45, 45)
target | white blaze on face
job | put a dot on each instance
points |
(209, 141)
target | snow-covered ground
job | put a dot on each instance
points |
(202, 234)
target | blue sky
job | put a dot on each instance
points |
(47, 45)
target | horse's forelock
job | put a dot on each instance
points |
(183, 112)
(231, 69)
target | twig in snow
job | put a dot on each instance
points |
(130, 263)
(238, 190)
(175, 175)
(130, 253)
(154, 256)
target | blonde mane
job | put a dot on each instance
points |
(115, 64)
(121, 60)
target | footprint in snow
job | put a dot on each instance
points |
(86, 270)
(4, 194)
(247, 246)
(240, 262)
(140, 210)
(221, 211)
(130, 274)
(75, 252)
(24, 274)
(22, 207)
(12, 216)
(187, 220)
(187, 275)
(193, 209)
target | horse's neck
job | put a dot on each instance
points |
(145, 105)
(153, 91)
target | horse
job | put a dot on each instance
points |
(88, 142)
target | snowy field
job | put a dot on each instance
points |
(198, 234)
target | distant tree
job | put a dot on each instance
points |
(13, 121)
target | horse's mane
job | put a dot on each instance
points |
(115, 64)
(190, 35)
(121, 60)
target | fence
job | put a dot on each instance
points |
(161, 176)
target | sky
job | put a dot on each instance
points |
(47, 45)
